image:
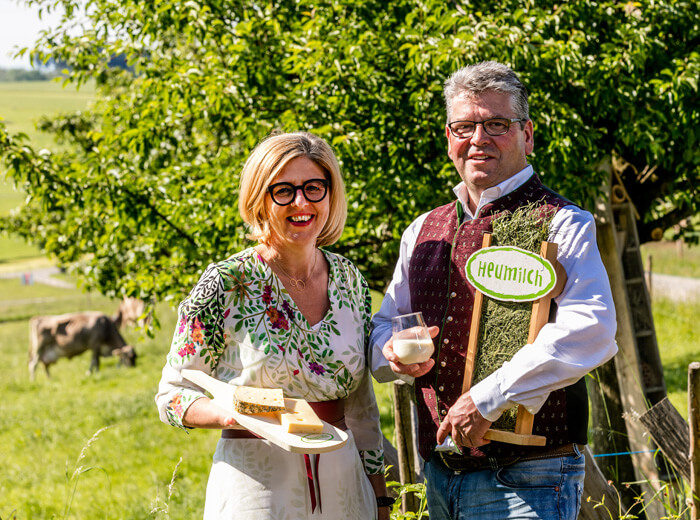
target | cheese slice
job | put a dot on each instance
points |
(251, 400)
(299, 417)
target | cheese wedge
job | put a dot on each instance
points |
(251, 400)
(299, 417)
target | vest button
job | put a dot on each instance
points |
(449, 319)
(453, 294)
(443, 363)
(443, 412)
(441, 388)
(446, 341)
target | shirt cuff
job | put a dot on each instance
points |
(178, 405)
(373, 461)
(382, 372)
(488, 398)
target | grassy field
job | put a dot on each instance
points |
(672, 258)
(45, 425)
(21, 105)
(678, 337)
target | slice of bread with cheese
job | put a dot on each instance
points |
(299, 417)
(251, 400)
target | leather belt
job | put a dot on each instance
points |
(333, 412)
(467, 463)
(238, 434)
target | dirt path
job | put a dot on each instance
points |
(675, 288)
(43, 275)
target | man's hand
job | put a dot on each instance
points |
(414, 369)
(465, 423)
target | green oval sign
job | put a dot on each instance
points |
(508, 273)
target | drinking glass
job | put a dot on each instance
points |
(412, 342)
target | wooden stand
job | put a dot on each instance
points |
(540, 314)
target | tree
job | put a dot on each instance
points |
(145, 193)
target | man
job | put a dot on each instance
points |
(489, 136)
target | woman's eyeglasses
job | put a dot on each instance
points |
(283, 193)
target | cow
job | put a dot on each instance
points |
(67, 335)
(131, 312)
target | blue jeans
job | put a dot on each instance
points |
(547, 489)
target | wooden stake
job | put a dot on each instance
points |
(473, 345)
(694, 420)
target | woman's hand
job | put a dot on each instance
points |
(203, 413)
(414, 369)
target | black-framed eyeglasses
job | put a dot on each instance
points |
(493, 127)
(283, 193)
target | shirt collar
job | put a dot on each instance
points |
(494, 192)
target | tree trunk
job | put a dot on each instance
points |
(625, 383)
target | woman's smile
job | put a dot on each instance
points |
(301, 219)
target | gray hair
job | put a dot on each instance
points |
(473, 80)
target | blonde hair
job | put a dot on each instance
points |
(267, 160)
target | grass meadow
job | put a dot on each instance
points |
(127, 470)
(91, 446)
(21, 105)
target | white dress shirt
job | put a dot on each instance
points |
(581, 338)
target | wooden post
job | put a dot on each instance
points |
(596, 490)
(670, 432)
(650, 267)
(609, 435)
(403, 429)
(694, 420)
(540, 315)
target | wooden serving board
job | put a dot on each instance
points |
(267, 425)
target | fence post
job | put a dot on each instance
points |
(403, 429)
(694, 421)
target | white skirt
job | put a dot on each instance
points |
(252, 479)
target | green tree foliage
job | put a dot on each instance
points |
(145, 195)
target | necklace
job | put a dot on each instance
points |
(297, 283)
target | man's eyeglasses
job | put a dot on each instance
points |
(283, 193)
(493, 127)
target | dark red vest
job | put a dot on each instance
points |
(439, 290)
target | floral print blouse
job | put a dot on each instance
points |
(240, 325)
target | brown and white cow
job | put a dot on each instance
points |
(131, 312)
(67, 335)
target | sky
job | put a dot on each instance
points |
(20, 26)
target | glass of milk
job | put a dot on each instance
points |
(412, 342)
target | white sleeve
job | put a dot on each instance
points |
(581, 337)
(362, 416)
(397, 301)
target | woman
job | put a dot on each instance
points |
(283, 314)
